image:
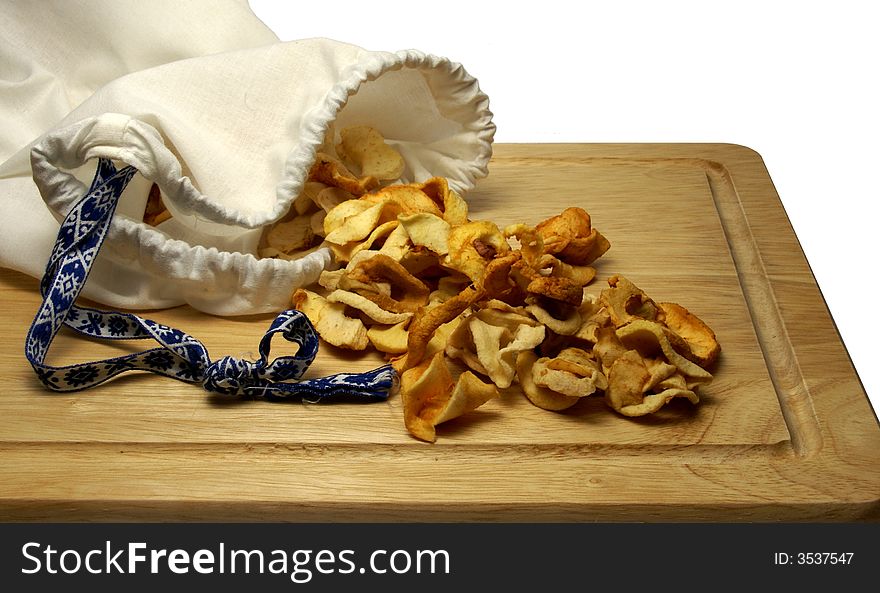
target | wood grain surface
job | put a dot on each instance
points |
(785, 432)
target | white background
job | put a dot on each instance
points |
(795, 81)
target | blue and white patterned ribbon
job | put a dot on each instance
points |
(179, 356)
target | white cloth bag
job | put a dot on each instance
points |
(205, 102)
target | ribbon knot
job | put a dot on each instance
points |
(179, 356)
(230, 376)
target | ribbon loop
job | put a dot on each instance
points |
(179, 356)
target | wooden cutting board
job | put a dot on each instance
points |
(784, 433)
